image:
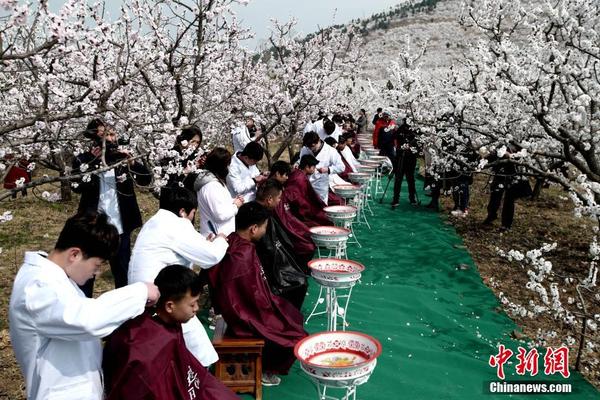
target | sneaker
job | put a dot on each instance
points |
(395, 203)
(270, 379)
(457, 213)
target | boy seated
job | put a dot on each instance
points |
(147, 358)
(240, 292)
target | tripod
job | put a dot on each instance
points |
(394, 174)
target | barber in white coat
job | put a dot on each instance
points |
(168, 238)
(243, 174)
(54, 328)
(346, 151)
(216, 206)
(244, 134)
(326, 128)
(330, 162)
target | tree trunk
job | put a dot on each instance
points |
(65, 191)
(537, 189)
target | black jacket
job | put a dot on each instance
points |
(131, 218)
(274, 250)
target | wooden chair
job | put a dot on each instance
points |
(240, 361)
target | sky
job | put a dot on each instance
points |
(310, 14)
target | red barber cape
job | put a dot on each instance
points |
(297, 231)
(241, 294)
(147, 359)
(304, 203)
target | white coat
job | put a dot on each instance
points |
(240, 137)
(55, 330)
(167, 239)
(350, 159)
(328, 158)
(215, 205)
(240, 180)
(320, 130)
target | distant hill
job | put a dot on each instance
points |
(434, 21)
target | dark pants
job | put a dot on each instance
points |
(405, 165)
(460, 194)
(119, 265)
(508, 208)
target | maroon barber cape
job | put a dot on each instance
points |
(304, 203)
(297, 231)
(241, 294)
(147, 359)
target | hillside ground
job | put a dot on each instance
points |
(36, 225)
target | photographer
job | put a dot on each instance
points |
(406, 162)
(244, 134)
(506, 182)
(111, 191)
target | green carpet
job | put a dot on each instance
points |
(438, 325)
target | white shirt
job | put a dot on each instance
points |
(328, 158)
(240, 137)
(167, 239)
(108, 201)
(350, 159)
(240, 180)
(318, 127)
(215, 205)
(55, 330)
(309, 127)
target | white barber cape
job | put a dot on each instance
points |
(328, 158)
(350, 159)
(168, 239)
(55, 330)
(240, 180)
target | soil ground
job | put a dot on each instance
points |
(547, 219)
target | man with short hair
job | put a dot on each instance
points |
(330, 162)
(169, 237)
(298, 232)
(300, 196)
(241, 293)
(276, 251)
(247, 133)
(344, 148)
(243, 173)
(146, 357)
(55, 329)
(280, 171)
